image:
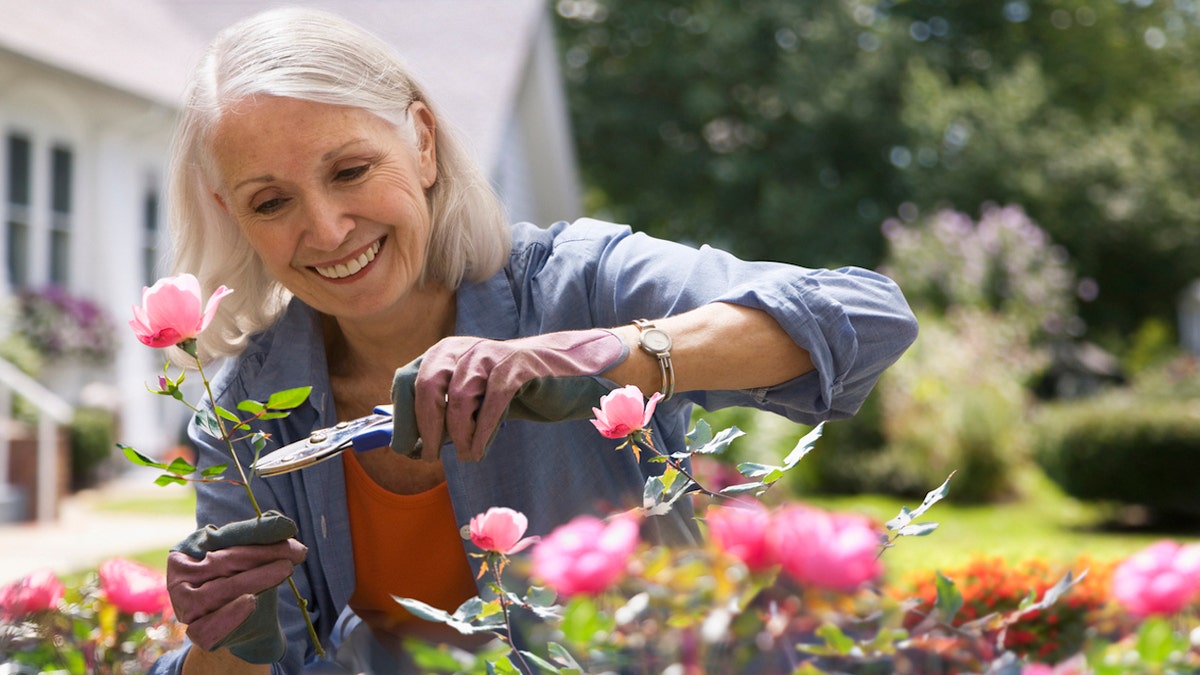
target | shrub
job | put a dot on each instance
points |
(92, 433)
(956, 401)
(1124, 448)
(61, 325)
(992, 585)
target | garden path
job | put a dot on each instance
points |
(85, 534)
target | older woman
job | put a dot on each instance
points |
(314, 176)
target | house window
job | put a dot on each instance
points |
(17, 226)
(60, 215)
(150, 234)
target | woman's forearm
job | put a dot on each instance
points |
(716, 346)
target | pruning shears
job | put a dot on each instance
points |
(363, 433)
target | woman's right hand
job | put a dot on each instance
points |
(222, 583)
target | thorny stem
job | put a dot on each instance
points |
(300, 600)
(677, 465)
(507, 619)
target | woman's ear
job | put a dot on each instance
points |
(425, 125)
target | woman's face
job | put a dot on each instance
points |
(331, 198)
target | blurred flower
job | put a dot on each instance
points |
(835, 551)
(133, 588)
(171, 311)
(1160, 579)
(61, 325)
(499, 530)
(741, 531)
(585, 555)
(37, 592)
(624, 411)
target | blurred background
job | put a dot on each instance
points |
(1026, 171)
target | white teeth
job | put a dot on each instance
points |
(343, 270)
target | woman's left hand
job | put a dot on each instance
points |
(465, 384)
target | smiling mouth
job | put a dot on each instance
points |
(351, 267)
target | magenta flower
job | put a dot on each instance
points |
(171, 311)
(835, 551)
(499, 530)
(132, 587)
(741, 531)
(37, 592)
(1160, 579)
(586, 555)
(624, 411)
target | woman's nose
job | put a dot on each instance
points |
(328, 225)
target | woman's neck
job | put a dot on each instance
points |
(375, 346)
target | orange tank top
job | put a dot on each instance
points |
(404, 545)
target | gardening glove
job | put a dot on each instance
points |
(222, 582)
(463, 387)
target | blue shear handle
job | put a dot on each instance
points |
(373, 438)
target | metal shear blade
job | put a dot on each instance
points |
(363, 433)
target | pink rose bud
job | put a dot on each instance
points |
(171, 311)
(132, 587)
(1160, 579)
(834, 551)
(624, 411)
(37, 592)
(499, 530)
(741, 531)
(585, 555)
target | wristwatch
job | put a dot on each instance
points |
(655, 342)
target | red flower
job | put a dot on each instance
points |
(133, 588)
(35, 593)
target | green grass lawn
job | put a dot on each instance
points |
(1045, 524)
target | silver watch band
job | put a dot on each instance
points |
(657, 343)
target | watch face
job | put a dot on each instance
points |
(655, 340)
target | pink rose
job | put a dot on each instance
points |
(1160, 579)
(35, 593)
(585, 555)
(132, 587)
(741, 531)
(171, 313)
(499, 530)
(836, 551)
(624, 411)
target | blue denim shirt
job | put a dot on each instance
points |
(853, 322)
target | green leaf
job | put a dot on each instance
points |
(949, 598)
(838, 641)
(803, 447)
(540, 596)
(225, 414)
(1156, 640)
(181, 466)
(207, 421)
(252, 407)
(213, 471)
(273, 415)
(916, 530)
(754, 469)
(140, 459)
(288, 399)
(560, 654)
(721, 442)
(582, 621)
(539, 661)
(424, 611)
(741, 488)
(168, 479)
(700, 434)
(503, 667)
(1053, 593)
(934, 496)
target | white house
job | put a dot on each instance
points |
(88, 95)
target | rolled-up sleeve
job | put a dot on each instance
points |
(853, 322)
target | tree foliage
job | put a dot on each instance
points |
(791, 130)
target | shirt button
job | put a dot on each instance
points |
(465, 531)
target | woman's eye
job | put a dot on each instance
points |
(351, 173)
(270, 205)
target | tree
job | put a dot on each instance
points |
(791, 130)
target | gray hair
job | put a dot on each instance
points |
(313, 56)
